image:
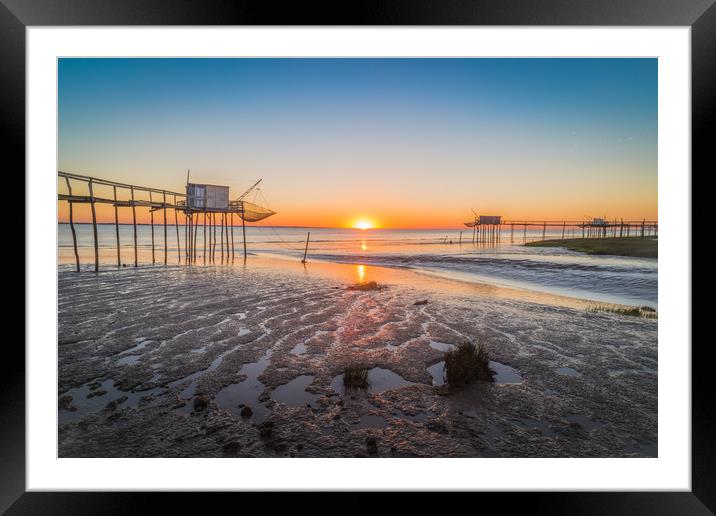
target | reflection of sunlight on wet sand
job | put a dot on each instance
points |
(393, 276)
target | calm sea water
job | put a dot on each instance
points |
(611, 279)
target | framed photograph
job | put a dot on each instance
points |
(426, 249)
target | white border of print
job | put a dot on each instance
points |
(671, 470)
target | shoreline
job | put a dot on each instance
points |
(276, 339)
(637, 247)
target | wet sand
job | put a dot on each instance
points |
(168, 362)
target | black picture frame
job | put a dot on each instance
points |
(700, 15)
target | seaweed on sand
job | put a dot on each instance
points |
(355, 377)
(368, 285)
(467, 364)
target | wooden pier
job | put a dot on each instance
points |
(125, 196)
(492, 230)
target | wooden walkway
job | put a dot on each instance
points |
(124, 196)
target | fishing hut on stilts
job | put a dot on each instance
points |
(202, 205)
(485, 228)
(488, 228)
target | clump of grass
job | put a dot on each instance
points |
(634, 311)
(467, 364)
(368, 285)
(355, 377)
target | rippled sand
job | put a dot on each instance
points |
(171, 357)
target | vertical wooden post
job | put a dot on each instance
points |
(94, 228)
(134, 223)
(72, 226)
(524, 236)
(213, 241)
(151, 215)
(222, 237)
(164, 199)
(226, 225)
(544, 230)
(116, 227)
(196, 230)
(187, 235)
(564, 226)
(460, 243)
(204, 238)
(305, 251)
(176, 225)
(642, 227)
(232, 236)
(243, 227)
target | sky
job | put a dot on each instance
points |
(396, 142)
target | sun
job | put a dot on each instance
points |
(363, 224)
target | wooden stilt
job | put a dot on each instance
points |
(195, 223)
(116, 227)
(232, 236)
(204, 238)
(243, 228)
(222, 238)
(544, 230)
(226, 227)
(151, 219)
(176, 225)
(94, 228)
(72, 226)
(213, 242)
(164, 199)
(564, 226)
(305, 251)
(134, 224)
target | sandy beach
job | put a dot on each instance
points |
(163, 361)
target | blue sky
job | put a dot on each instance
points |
(337, 138)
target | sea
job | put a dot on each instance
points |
(446, 253)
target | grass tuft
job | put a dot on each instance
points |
(634, 311)
(467, 364)
(355, 377)
(368, 285)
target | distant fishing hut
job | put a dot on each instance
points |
(488, 228)
(485, 228)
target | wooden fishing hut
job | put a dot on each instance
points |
(202, 205)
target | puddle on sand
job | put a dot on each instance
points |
(130, 359)
(568, 371)
(379, 380)
(436, 371)
(299, 349)
(369, 421)
(100, 396)
(442, 346)
(294, 392)
(505, 374)
(190, 390)
(587, 424)
(246, 392)
(142, 344)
